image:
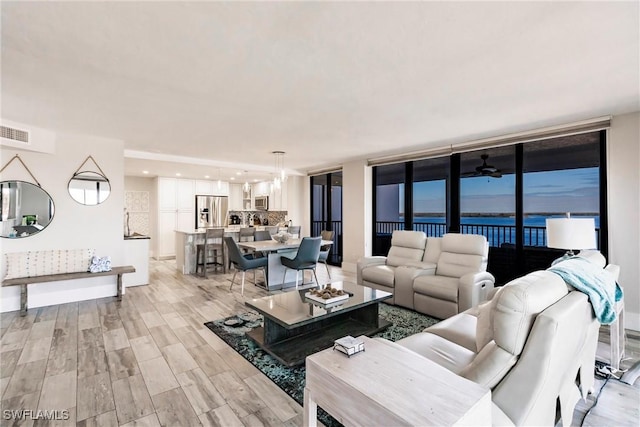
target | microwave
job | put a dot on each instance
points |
(262, 203)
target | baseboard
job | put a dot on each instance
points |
(631, 320)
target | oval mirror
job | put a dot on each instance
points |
(89, 188)
(25, 209)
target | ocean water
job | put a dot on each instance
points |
(498, 229)
(529, 221)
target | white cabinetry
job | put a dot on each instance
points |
(176, 211)
(235, 197)
(278, 198)
(262, 188)
(211, 188)
(204, 188)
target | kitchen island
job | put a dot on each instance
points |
(187, 241)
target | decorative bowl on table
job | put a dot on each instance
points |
(281, 237)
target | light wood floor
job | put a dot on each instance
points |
(149, 361)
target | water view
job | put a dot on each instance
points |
(499, 229)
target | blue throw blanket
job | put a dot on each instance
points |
(599, 285)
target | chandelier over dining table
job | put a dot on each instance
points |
(280, 174)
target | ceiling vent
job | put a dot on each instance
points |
(14, 134)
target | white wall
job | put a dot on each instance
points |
(298, 205)
(624, 204)
(74, 226)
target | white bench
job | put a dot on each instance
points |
(27, 268)
(25, 281)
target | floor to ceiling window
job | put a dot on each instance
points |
(429, 193)
(388, 199)
(326, 210)
(504, 193)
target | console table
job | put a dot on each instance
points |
(389, 385)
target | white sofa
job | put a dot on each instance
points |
(533, 344)
(438, 276)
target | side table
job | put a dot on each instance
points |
(613, 352)
(389, 385)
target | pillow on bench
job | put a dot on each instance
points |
(41, 263)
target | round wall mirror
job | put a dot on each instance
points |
(25, 209)
(89, 188)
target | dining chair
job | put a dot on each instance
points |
(211, 252)
(294, 230)
(306, 258)
(324, 250)
(244, 262)
(261, 235)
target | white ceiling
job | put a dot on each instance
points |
(227, 83)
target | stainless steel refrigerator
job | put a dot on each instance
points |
(211, 211)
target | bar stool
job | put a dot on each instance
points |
(211, 252)
(246, 234)
(272, 229)
(294, 230)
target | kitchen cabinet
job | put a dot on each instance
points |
(211, 188)
(278, 198)
(235, 197)
(204, 188)
(262, 188)
(176, 210)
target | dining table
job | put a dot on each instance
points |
(274, 251)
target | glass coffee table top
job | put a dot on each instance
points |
(292, 309)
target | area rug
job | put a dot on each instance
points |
(292, 379)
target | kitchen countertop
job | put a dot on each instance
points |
(229, 229)
(136, 237)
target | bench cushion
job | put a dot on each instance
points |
(40, 263)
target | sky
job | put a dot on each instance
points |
(558, 191)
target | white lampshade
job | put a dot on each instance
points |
(571, 233)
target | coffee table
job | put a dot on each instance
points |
(389, 385)
(295, 327)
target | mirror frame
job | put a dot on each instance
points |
(51, 207)
(92, 173)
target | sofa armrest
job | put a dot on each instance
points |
(404, 277)
(367, 262)
(473, 289)
(613, 269)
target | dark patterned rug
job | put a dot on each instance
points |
(291, 379)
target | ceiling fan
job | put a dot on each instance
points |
(484, 169)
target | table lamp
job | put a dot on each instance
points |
(571, 233)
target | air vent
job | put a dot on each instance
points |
(15, 134)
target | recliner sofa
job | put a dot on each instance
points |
(438, 276)
(533, 344)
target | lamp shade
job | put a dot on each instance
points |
(571, 233)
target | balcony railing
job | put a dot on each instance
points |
(497, 235)
(335, 256)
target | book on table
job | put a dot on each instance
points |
(348, 345)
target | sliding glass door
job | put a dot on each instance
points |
(504, 193)
(326, 210)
